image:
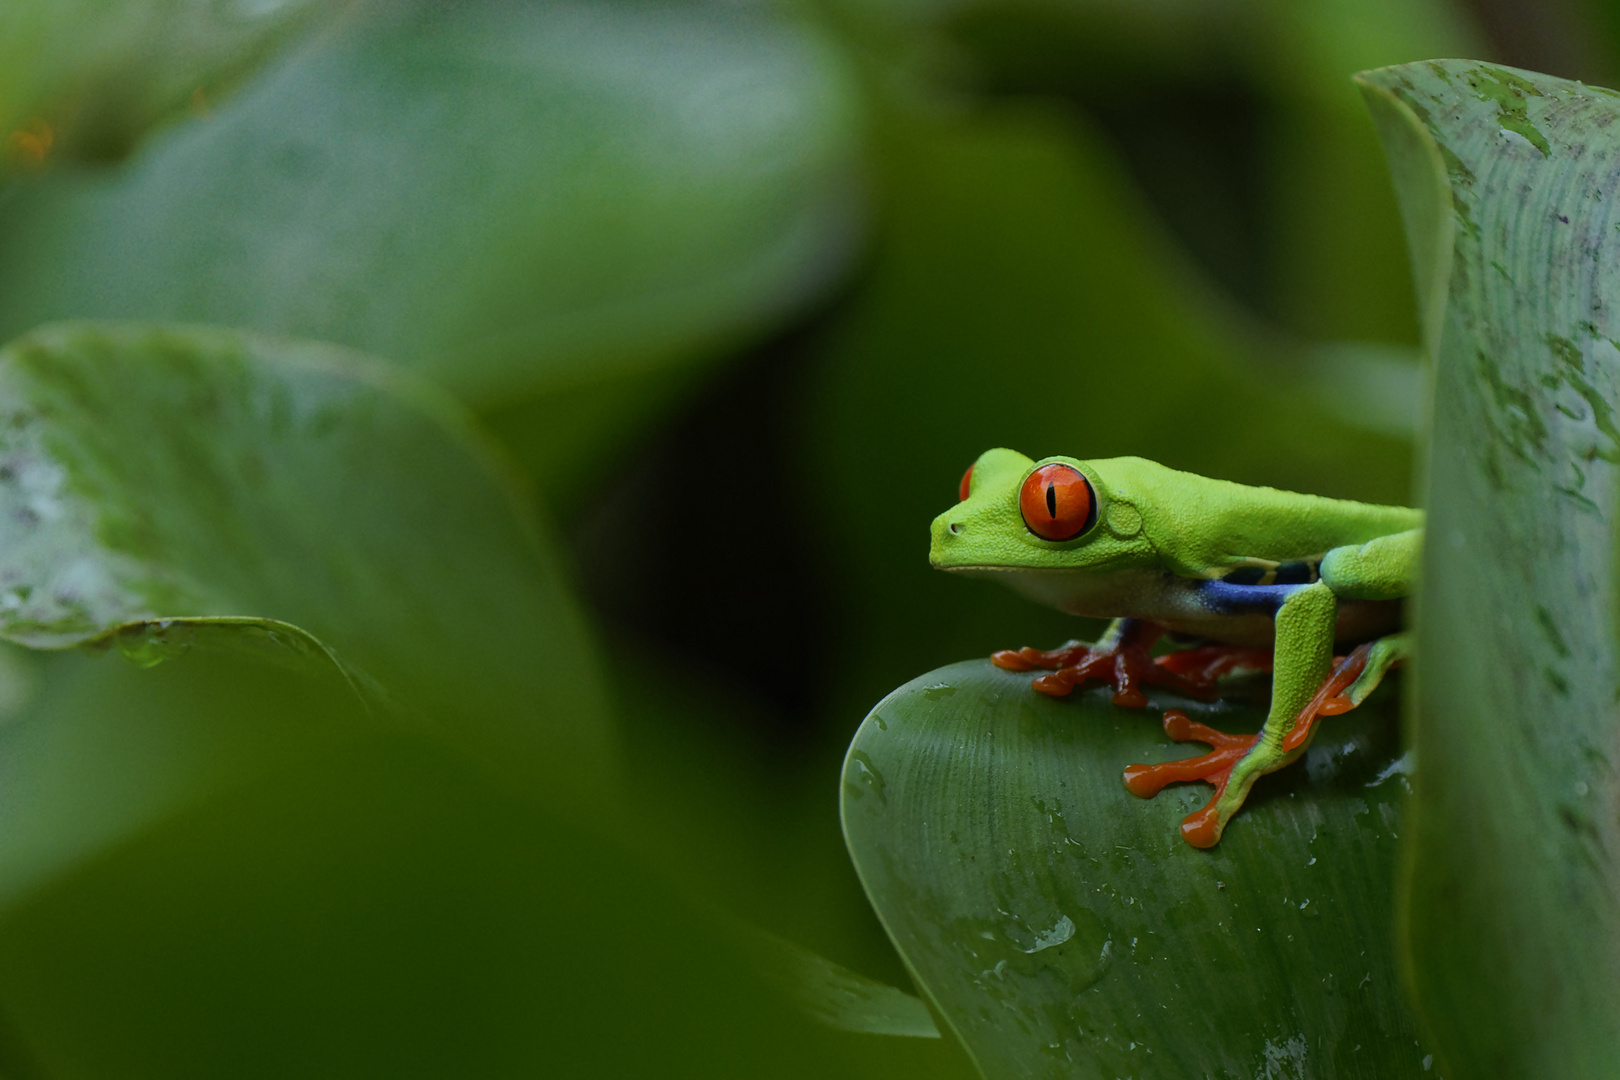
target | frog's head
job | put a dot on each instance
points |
(1058, 513)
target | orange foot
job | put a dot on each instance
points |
(1125, 660)
(1202, 828)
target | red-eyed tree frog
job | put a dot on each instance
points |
(1257, 578)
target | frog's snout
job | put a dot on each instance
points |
(945, 530)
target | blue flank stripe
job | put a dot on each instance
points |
(1225, 598)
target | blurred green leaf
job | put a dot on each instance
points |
(740, 827)
(88, 77)
(1063, 927)
(219, 867)
(219, 856)
(838, 997)
(99, 749)
(151, 472)
(740, 821)
(1331, 225)
(1512, 898)
(1240, 122)
(508, 197)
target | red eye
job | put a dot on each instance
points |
(1056, 502)
(967, 480)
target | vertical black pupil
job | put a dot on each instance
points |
(1051, 499)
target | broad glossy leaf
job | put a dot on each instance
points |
(1512, 903)
(151, 472)
(1064, 929)
(508, 197)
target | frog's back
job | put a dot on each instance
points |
(1201, 527)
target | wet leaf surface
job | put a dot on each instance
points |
(1508, 181)
(1063, 927)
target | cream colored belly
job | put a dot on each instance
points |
(1173, 602)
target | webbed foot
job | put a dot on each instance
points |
(1127, 665)
(1201, 828)
(1236, 761)
(1123, 657)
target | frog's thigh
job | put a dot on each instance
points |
(1381, 569)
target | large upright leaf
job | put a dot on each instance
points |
(506, 196)
(157, 472)
(1064, 929)
(1512, 903)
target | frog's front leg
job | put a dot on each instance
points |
(1123, 656)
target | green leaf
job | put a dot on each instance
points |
(100, 749)
(1512, 898)
(227, 852)
(151, 473)
(1063, 927)
(508, 197)
(833, 995)
(88, 77)
(219, 867)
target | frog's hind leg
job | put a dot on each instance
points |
(1381, 569)
(1353, 678)
(1304, 654)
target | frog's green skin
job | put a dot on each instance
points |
(1162, 543)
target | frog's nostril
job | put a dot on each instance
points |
(956, 528)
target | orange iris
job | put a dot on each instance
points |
(1056, 502)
